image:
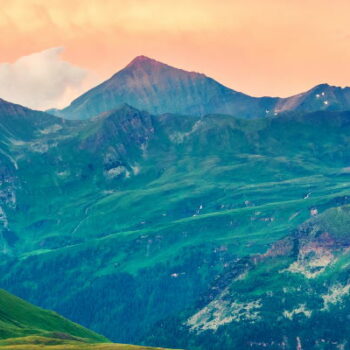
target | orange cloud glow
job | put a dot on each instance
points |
(261, 47)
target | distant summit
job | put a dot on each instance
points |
(143, 61)
(320, 97)
(148, 84)
(159, 88)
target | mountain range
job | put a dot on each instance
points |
(198, 228)
(149, 85)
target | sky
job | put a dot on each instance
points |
(52, 51)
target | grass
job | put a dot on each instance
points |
(25, 326)
(38, 343)
(19, 318)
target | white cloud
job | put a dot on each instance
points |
(43, 80)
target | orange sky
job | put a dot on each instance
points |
(261, 47)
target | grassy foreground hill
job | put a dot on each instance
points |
(25, 326)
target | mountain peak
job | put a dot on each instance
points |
(142, 60)
(325, 86)
(322, 86)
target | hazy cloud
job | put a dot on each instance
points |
(43, 80)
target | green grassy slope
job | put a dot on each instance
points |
(19, 319)
(25, 326)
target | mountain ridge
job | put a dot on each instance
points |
(151, 85)
(143, 79)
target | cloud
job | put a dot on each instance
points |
(43, 80)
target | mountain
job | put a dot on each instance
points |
(22, 131)
(22, 122)
(159, 88)
(25, 326)
(195, 232)
(321, 97)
